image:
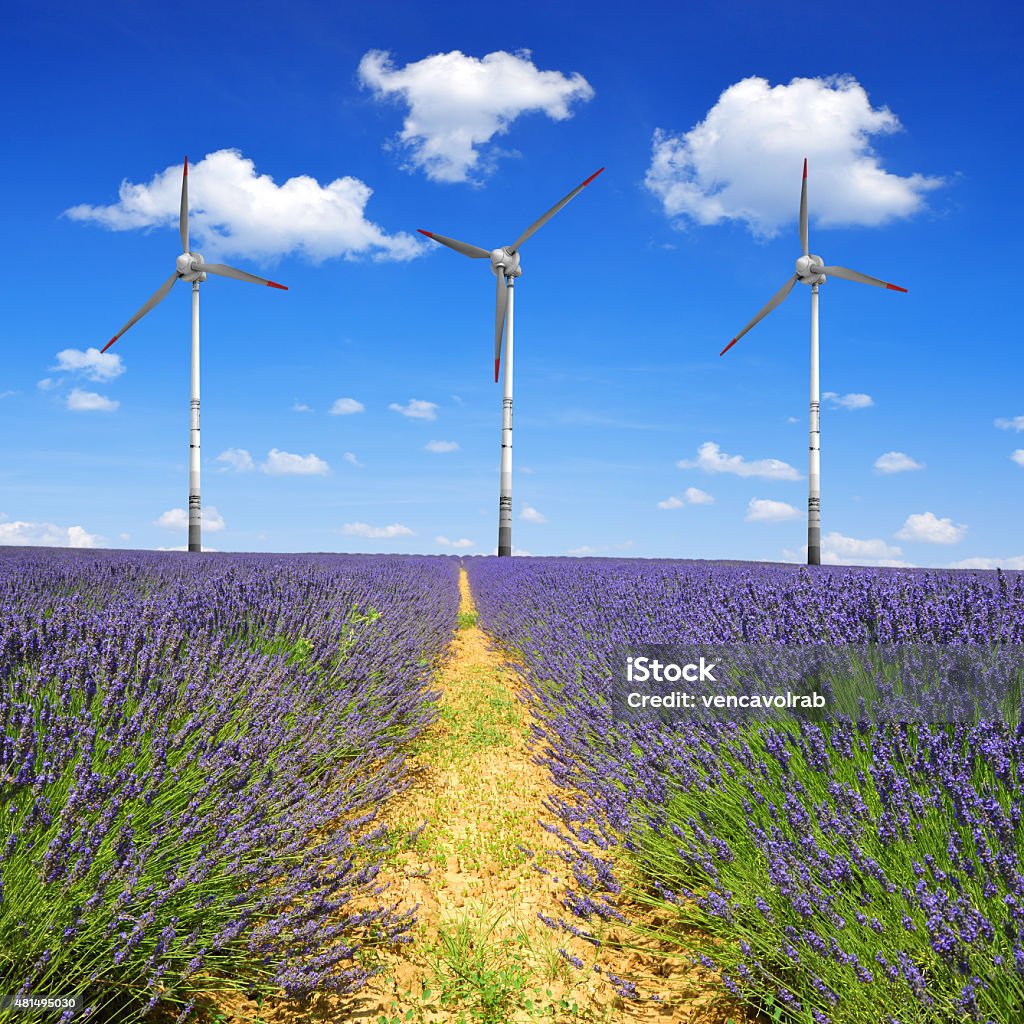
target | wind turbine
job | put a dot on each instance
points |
(190, 266)
(505, 266)
(810, 269)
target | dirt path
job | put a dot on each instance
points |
(479, 952)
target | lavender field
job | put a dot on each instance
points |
(840, 872)
(197, 752)
(193, 754)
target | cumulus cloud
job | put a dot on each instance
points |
(237, 459)
(442, 446)
(1018, 456)
(177, 519)
(89, 401)
(416, 409)
(444, 542)
(280, 463)
(691, 496)
(1015, 562)
(301, 407)
(26, 534)
(852, 401)
(896, 462)
(91, 363)
(366, 530)
(531, 515)
(927, 527)
(711, 459)
(346, 407)
(457, 104)
(838, 549)
(350, 458)
(1013, 423)
(743, 162)
(764, 510)
(235, 211)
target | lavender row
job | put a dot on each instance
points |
(192, 756)
(838, 873)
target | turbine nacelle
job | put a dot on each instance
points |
(810, 269)
(187, 264)
(508, 262)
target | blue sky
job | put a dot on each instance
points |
(322, 136)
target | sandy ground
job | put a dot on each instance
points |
(479, 951)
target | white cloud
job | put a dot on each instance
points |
(852, 401)
(695, 496)
(237, 459)
(417, 409)
(764, 510)
(927, 527)
(691, 496)
(896, 462)
(280, 463)
(441, 446)
(346, 407)
(46, 383)
(837, 549)
(91, 363)
(444, 542)
(177, 519)
(235, 211)
(531, 515)
(1015, 423)
(457, 104)
(1013, 562)
(301, 407)
(743, 162)
(1018, 456)
(582, 551)
(365, 530)
(89, 401)
(24, 534)
(7, 394)
(711, 459)
(350, 458)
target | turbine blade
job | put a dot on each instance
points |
(473, 251)
(183, 215)
(554, 209)
(803, 210)
(772, 303)
(501, 305)
(856, 275)
(157, 297)
(239, 275)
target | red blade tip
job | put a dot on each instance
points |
(895, 288)
(729, 346)
(186, 166)
(108, 344)
(805, 167)
(593, 176)
(422, 232)
(274, 284)
(497, 362)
